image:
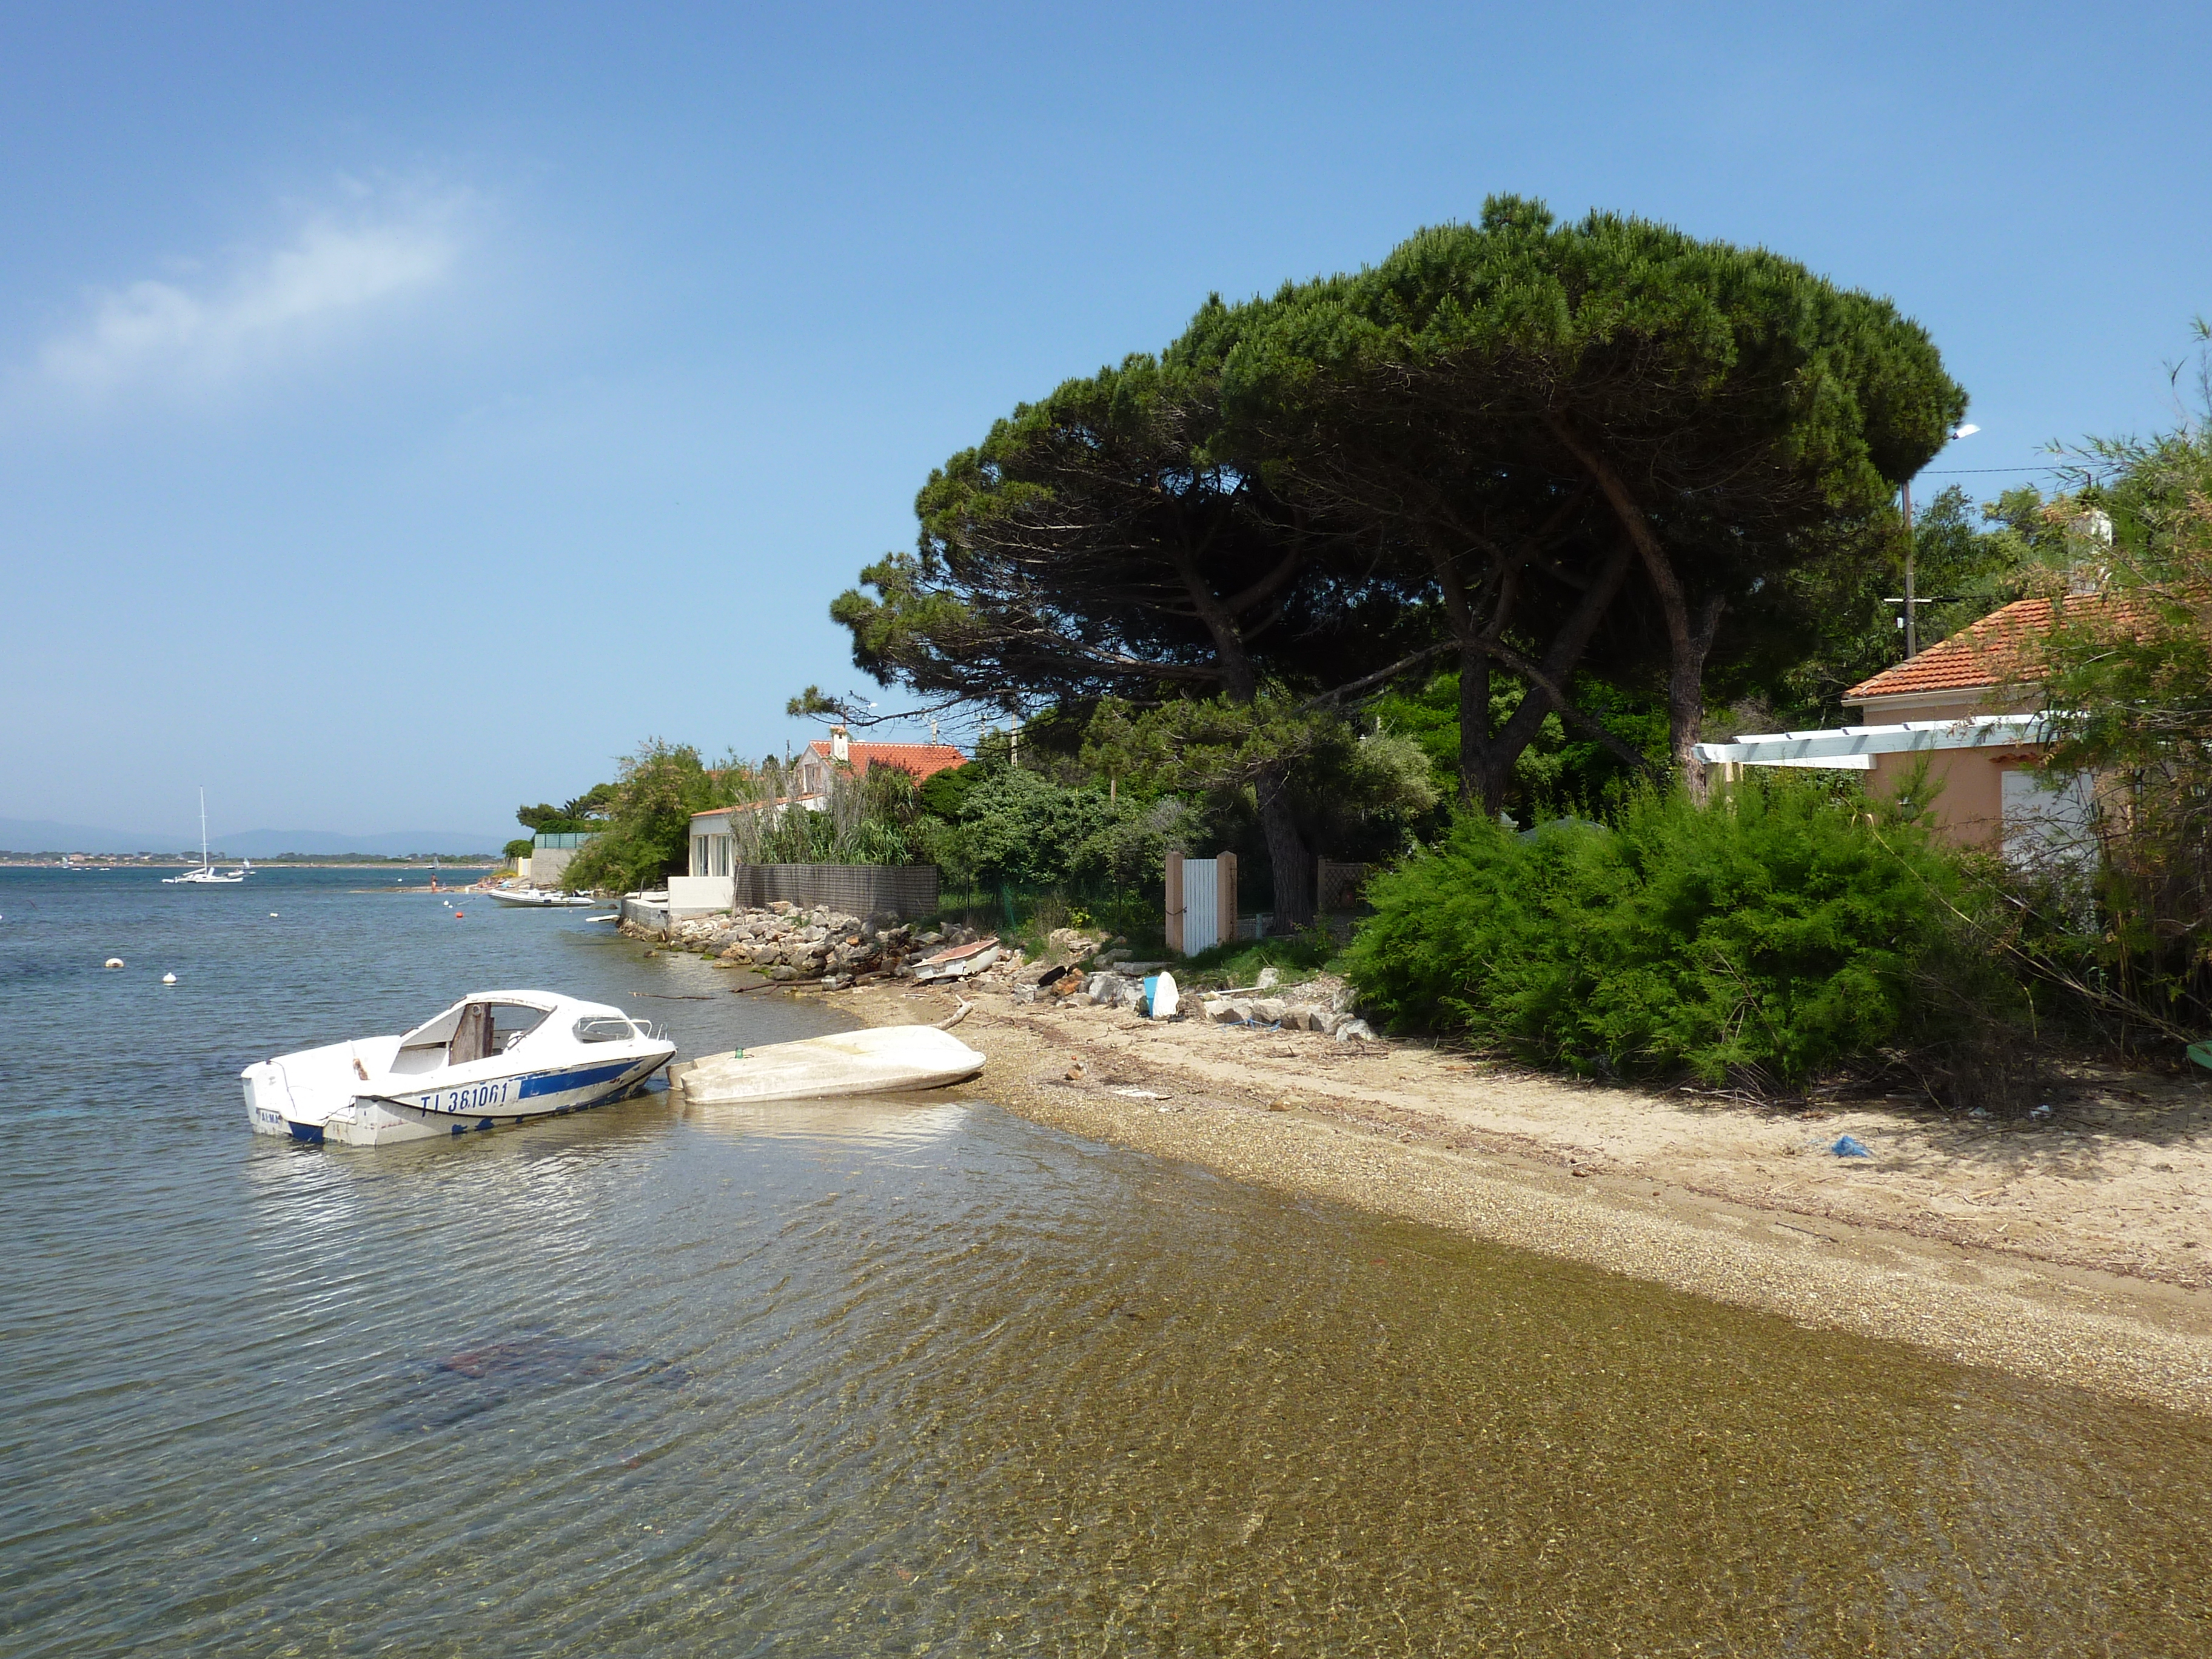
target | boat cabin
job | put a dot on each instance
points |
(470, 1030)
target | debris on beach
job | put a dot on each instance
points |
(1849, 1146)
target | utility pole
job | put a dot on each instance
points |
(1911, 597)
(1912, 605)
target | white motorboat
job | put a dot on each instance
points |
(207, 875)
(497, 1057)
(536, 898)
(887, 1059)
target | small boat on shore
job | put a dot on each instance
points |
(536, 898)
(888, 1060)
(494, 1058)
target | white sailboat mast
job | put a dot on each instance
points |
(204, 857)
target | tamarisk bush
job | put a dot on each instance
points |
(1762, 938)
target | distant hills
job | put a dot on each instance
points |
(42, 836)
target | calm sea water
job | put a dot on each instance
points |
(903, 1378)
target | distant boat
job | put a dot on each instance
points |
(206, 875)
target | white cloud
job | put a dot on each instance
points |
(273, 307)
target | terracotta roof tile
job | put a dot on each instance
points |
(1998, 648)
(924, 760)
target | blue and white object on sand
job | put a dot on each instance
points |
(1849, 1146)
(497, 1057)
(1159, 996)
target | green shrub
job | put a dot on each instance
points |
(1764, 938)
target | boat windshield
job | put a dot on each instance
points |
(472, 1032)
(605, 1028)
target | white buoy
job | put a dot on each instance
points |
(272, 915)
(168, 979)
(113, 962)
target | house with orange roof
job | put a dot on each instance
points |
(823, 759)
(1966, 711)
(709, 885)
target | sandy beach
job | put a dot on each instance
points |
(2068, 1248)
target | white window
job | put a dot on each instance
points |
(698, 855)
(2049, 817)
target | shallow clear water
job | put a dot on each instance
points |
(907, 1377)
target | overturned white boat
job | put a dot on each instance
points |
(889, 1060)
(497, 1057)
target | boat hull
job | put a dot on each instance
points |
(315, 1097)
(887, 1059)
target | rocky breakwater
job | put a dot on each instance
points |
(789, 944)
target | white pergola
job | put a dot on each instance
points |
(1852, 748)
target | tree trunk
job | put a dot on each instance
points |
(1288, 863)
(1688, 641)
(1686, 691)
(1544, 694)
(1474, 747)
(1289, 868)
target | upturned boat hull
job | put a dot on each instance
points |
(888, 1060)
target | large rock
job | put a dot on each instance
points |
(1355, 1031)
(1267, 1011)
(1070, 944)
(1116, 990)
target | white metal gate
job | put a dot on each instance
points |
(1201, 905)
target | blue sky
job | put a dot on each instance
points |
(403, 410)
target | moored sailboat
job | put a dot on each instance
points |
(207, 875)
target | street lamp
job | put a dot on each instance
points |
(1912, 601)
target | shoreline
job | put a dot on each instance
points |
(1716, 1198)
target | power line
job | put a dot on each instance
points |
(1960, 471)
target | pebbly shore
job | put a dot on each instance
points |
(2065, 1247)
(1718, 1199)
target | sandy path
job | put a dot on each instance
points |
(2066, 1249)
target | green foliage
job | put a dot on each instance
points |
(945, 793)
(1354, 794)
(1297, 957)
(1767, 936)
(648, 829)
(1502, 408)
(588, 812)
(520, 848)
(1968, 561)
(1561, 773)
(873, 817)
(2130, 668)
(1013, 829)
